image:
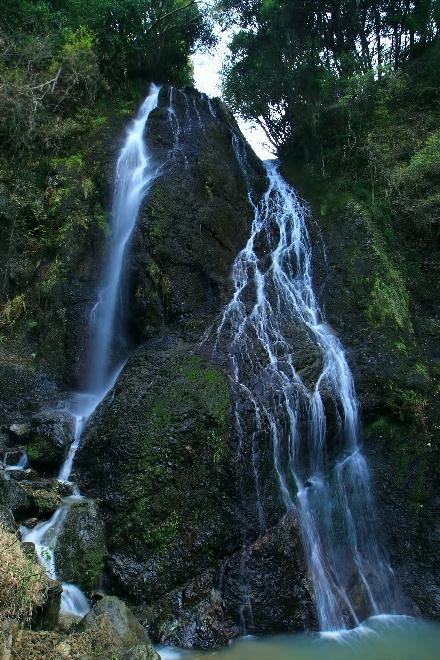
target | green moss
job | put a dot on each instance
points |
(389, 301)
(421, 369)
(160, 536)
(34, 452)
(161, 212)
(214, 384)
(384, 426)
(71, 164)
(186, 441)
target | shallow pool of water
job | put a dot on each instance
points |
(379, 638)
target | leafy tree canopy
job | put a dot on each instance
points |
(296, 66)
(58, 54)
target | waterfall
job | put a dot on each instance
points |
(311, 415)
(135, 173)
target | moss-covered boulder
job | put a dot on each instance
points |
(26, 499)
(81, 551)
(131, 637)
(110, 630)
(158, 456)
(49, 438)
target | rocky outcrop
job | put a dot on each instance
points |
(161, 455)
(157, 456)
(195, 220)
(50, 436)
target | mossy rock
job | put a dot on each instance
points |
(50, 436)
(81, 551)
(158, 456)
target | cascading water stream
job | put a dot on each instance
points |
(320, 471)
(135, 173)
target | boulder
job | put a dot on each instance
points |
(192, 616)
(114, 614)
(31, 499)
(273, 572)
(157, 456)
(81, 551)
(49, 438)
(263, 588)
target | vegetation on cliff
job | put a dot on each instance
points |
(348, 94)
(71, 74)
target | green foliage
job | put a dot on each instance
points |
(390, 301)
(312, 73)
(59, 55)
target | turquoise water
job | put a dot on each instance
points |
(379, 638)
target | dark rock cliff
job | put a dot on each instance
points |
(160, 455)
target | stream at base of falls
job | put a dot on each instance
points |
(384, 637)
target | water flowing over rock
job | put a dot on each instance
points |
(160, 454)
(218, 430)
(135, 172)
(330, 489)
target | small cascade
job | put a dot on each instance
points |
(311, 416)
(135, 173)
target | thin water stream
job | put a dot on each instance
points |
(135, 173)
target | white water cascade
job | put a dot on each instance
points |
(320, 470)
(135, 173)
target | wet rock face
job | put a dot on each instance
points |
(273, 572)
(49, 438)
(195, 220)
(381, 294)
(161, 455)
(210, 610)
(81, 551)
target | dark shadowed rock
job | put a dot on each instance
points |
(80, 552)
(196, 218)
(49, 438)
(23, 391)
(273, 571)
(193, 616)
(262, 588)
(381, 294)
(157, 457)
